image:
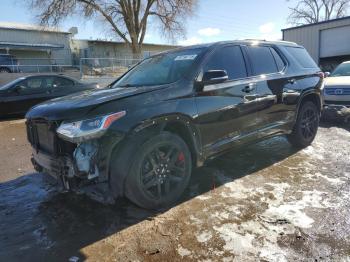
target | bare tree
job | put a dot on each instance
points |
(128, 19)
(313, 11)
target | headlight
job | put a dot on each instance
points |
(87, 129)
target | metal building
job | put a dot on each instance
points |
(328, 42)
(111, 49)
(35, 45)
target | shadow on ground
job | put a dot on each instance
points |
(37, 222)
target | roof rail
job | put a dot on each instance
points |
(252, 39)
(272, 41)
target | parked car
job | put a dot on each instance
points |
(173, 111)
(8, 64)
(18, 96)
(337, 88)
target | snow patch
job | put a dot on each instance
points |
(183, 252)
(203, 197)
(234, 242)
(204, 237)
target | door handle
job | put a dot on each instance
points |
(249, 88)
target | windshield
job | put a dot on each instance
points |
(342, 70)
(8, 85)
(160, 69)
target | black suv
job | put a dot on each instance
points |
(8, 64)
(141, 137)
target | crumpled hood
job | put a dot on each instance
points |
(75, 105)
(337, 81)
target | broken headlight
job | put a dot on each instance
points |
(87, 129)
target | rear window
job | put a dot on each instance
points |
(262, 60)
(302, 57)
(279, 62)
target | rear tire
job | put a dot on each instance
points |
(160, 171)
(305, 128)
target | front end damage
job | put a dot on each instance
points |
(81, 166)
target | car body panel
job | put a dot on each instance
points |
(337, 89)
(9, 62)
(13, 102)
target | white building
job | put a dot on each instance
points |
(328, 42)
(35, 44)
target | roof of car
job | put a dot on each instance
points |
(51, 74)
(243, 42)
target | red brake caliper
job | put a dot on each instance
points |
(181, 157)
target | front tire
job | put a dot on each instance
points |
(160, 171)
(306, 126)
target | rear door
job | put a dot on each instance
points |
(226, 111)
(268, 71)
(63, 86)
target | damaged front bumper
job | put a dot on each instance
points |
(87, 164)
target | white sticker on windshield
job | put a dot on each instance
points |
(185, 57)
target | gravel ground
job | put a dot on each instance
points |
(267, 202)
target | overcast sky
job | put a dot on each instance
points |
(215, 20)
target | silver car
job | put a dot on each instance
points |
(337, 90)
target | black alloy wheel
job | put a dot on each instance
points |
(309, 124)
(160, 172)
(306, 125)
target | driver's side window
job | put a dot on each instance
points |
(230, 59)
(32, 86)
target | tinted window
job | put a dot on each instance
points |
(228, 58)
(262, 60)
(62, 82)
(33, 85)
(279, 62)
(342, 70)
(302, 57)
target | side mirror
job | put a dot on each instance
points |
(214, 77)
(327, 74)
(17, 89)
(211, 77)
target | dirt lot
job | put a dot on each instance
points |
(267, 202)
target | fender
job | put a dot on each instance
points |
(163, 122)
(139, 134)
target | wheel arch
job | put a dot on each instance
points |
(312, 96)
(180, 125)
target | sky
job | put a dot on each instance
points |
(215, 20)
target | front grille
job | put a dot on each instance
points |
(42, 136)
(337, 91)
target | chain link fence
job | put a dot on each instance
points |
(36, 65)
(105, 67)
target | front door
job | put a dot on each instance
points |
(226, 111)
